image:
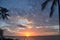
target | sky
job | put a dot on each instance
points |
(27, 15)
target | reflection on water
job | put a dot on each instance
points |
(26, 38)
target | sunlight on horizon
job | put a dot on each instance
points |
(27, 34)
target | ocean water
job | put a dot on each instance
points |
(55, 37)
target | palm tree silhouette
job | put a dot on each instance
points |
(3, 13)
(1, 32)
(52, 6)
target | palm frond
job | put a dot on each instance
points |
(3, 13)
(52, 9)
(44, 4)
(56, 1)
(4, 17)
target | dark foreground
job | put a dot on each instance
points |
(55, 37)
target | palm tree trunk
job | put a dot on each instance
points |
(52, 9)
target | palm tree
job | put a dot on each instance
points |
(3, 13)
(52, 6)
(1, 32)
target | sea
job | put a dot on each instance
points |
(53, 37)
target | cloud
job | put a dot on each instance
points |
(32, 11)
(28, 14)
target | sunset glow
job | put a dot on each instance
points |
(34, 32)
(27, 34)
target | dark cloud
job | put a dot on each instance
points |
(21, 26)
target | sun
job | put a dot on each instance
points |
(27, 34)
